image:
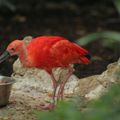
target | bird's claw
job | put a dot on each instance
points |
(49, 106)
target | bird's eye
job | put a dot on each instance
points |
(13, 49)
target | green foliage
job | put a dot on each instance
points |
(105, 108)
(64, 111)
(107, 38)
(117, 5)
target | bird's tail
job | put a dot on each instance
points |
(86, 59)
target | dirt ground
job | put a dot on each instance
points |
(16, 112)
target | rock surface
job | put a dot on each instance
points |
(94, 86)
(34, 85)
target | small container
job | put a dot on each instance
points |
(5, 89)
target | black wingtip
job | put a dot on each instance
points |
(88, 56)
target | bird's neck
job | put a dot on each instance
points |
(23, 56)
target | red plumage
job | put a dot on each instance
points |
(48, 52)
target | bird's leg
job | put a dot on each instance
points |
(55, 85)
(61, 89)
(51, 105)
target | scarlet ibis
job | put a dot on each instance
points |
(48, 52)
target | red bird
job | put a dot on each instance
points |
(48, 52)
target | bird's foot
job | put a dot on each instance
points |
(50, 106)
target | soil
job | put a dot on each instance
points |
(72, 23)
(17, 111)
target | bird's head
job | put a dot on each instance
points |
(13, 49)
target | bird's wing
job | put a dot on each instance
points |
(66, 52)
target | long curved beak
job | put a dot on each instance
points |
(4, 56)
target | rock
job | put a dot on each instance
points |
(27, 39)
(94, 86)
(35, 84)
